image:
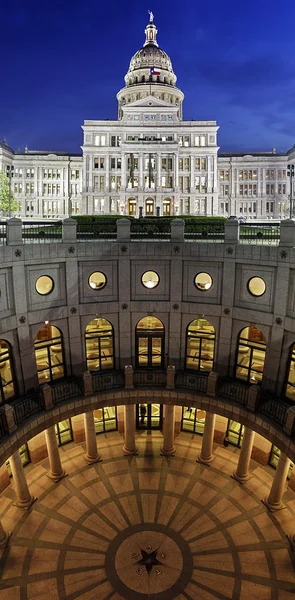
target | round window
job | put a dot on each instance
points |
(150, 279)
(203, 281)
(44, 285)
(97, 280)
(256, 286)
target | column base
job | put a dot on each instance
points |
(205, 461)
(170, 452)
(4, 540)
(241, 478)
(25, 505)
(273, 507)
(128, 452)
(291, 539)
(56, 478)
(92, 460)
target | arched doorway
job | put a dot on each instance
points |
(167, 207)
(149, 343)
(149, 207)
(131, 207)
(250, 355)
(49, 354)
(200, 344)
(99, 345)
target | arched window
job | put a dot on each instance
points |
(99, 342)
(200, 343)
(150, 343)
(250, 355)
(290, 383)
(7, 380)
(49, 354)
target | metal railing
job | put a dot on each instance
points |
(40, 232)
(203, 231)
(151, 378)
(275, 409)
(233, 390)
(3, 425)
(66, 390)
(103, 230)
(260, 233)
(27, 406)
(108, 381)
(193, 381)
(150, 229)
(3, 233)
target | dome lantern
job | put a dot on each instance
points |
(151, 32)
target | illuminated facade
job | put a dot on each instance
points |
(150, 161)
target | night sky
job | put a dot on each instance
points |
(63, 62)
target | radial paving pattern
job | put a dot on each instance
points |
(215, 537)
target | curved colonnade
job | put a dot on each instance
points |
(176, 301)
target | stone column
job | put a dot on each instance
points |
(140, 170)
(91, 455)
(206, 456)
(4, 537)
(242, 472)
(23, 496)
(123, 172)
(129, 430)
(56, 471)
(168, 448)
(274, 501)
(159, 167)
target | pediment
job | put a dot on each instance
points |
(149, 101)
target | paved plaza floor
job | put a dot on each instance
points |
(147, 528)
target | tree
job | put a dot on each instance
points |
(8, 203)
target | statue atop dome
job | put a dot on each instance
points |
(151, 16)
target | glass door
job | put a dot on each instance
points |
(193, 419)
(149, 208)
(167, 208)
(132, 208)
(149, 416)
(150, 351)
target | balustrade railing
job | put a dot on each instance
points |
(203, 231)
(3, 426)
(275, 409)
(41, 232)
(27, 406)
(103, 230)
(260, 233)
(108, 381)
(151, 378)
(193, 381)
(150, 229)
(234, 390)
(3, 233)
(65, 390)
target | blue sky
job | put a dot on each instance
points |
(63, 62)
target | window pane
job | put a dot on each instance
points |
(143, 351)
(156, 351)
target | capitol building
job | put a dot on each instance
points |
(150, 162)
(147, 375)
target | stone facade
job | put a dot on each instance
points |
(150, 161)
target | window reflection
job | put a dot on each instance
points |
(200, 344)
(99, 345)
(251, 355)
(49, 354)
(7, 384)
(105, 419)
(64, 432)
(193, 419)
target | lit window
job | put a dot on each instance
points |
(49, 355)
(200, 343)
(150, 279)
(97, 280)
(99, 345)
(250, 355)
(256, 286)
(203, 281)
(7, 381)
(44, 285)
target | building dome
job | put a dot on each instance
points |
(150, 57)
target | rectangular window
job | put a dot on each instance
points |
(113, 163)
(197, 164)
(186, 164)
(180, 164)
(203, 164)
